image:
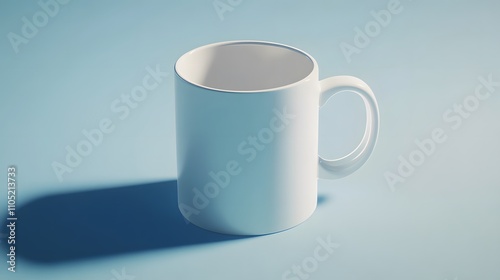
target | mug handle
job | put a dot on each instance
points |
(338, 168)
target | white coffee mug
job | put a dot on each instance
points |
(247, 135)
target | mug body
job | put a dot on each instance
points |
(247, 136)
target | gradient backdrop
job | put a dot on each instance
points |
(65, 68)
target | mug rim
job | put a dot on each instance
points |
(256, 42)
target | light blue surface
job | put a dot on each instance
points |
(441, 223)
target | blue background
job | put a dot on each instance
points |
(116, 211)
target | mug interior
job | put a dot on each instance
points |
(244, 66)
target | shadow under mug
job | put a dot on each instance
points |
(247, 116)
